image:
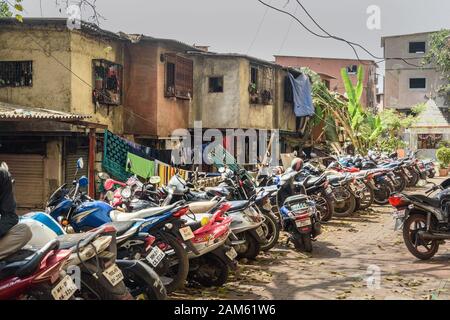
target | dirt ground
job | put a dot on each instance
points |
(360, 257)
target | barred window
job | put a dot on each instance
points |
(16, 73)
(179, 77)
(107, 79)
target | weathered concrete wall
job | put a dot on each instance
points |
(255, 116)
(172, 113)
(51, 81)
(230, 108)
(397, 92)
(53, 166)
(140, 81)
(84, 49)
(221, 109)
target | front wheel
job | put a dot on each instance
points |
(421, 249)
(367, 197)
(382, 193)
(345, 208)
(250, 248)
(271, 230)
(212, 272)
(174, 268)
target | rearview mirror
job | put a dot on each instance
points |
(155, 180)
(80, 163)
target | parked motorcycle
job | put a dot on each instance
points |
(424, 219)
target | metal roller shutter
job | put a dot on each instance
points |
(71, 164)
(28, 173)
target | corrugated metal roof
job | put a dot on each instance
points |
(15, 112)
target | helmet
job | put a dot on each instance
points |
(296, 164)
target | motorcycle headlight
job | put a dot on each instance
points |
(126, 193)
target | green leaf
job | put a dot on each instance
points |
(19, 18)
(351, 95)
(359, 84)
(18, 7)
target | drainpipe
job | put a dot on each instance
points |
(91, 164)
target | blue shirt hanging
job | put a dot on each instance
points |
(301, 89)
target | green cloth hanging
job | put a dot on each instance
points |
(141, 167)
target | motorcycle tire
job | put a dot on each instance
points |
(272, 229)
(101, 289)
(410, 238)
(414, 179)
(368, 197)
(253, 247)
(325, 207)
(178, 275)
(143, 284)
(382, 193)
(402, 182)
(303, 243)
(348, 209)
(213, 272)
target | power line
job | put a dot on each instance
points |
(330, 36)
(258, 29)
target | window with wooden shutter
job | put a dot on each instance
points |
(179, 77)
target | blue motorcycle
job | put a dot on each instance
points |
(74, 209)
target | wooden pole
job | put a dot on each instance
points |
(91, 164)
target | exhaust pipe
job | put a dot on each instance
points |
(433, 236)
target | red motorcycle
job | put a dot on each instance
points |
(210, 267)
(36, 275)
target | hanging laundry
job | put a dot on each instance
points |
(140, 166)
(301, 88)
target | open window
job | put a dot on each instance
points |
(16, 73)
(261, 84)
(179, 80)
(417, 83)
(352, 69)
(215, 84)
(417, 47)
(107, 82)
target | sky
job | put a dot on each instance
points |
(246, 26)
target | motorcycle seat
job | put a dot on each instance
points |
(202, 206)
(116, 215)
(335, 179)
(121, 226)
(12, 266)
(214, 191)
(200, 195)
(238, 205)
(69, 241)
(311, 181)
(434, 202)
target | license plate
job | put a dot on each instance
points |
(113, 274)
(186, 233)
(398, 224)
(231, 254)
(65, 289)
(303, 223)
(155, 256)
(399, 214)
(260, 232)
